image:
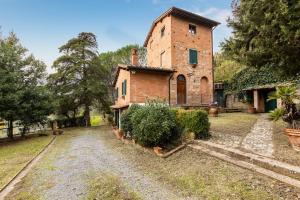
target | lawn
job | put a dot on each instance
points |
(231, 128)
(14, 155)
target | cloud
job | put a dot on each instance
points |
(219, 15)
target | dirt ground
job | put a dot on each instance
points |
(81, 155)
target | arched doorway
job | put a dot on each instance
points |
(181, 90)
(204, 90)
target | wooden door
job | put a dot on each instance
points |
(181, 90)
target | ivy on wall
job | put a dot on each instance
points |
(252, 77)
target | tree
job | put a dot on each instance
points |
(79, 76)
(21, 77)
(266, 33)
(225, 68)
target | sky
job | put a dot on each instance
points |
(44, 25)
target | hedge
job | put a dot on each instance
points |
(195, 121)
(126, 124)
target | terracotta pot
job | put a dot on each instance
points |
(213, 111)
(157, 150)
(120, 135)
(251, 110)
(294, 137)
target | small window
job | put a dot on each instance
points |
(124, 87)
(193, 56)
(117, 93)
(192, 29)
(162, 58)
(162, 31)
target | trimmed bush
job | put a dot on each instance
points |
(195, 121)
(126, 124)
(153, 124)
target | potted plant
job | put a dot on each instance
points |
(289, 114)
(213, 110)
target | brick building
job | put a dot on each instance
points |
(179, 69)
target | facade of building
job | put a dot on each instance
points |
(179, 63)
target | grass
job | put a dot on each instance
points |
(14, 155)
(96, 120)
(109, 187)
(283, 150)
(229, 126)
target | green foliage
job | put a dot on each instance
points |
(153, 124)
(276, 114)
(266, 33)
(225, 68)
(287, 94)
(252, 77)
(79, 80)
(22, 94)
(96, 120)
(195, 121)
(126, 119)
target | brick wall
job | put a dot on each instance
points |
(176, 44)
(149, 85)
(123, 100)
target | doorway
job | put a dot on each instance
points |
(181, 90)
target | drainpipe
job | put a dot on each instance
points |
(212, 55)
(170, 88)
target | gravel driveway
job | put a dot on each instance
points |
(86, 152)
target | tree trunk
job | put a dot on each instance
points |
(10, 129)
(87, 116)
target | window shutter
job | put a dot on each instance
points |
(117, 93)
(193, 56)
(123, 88)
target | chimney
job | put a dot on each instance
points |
(134, 57)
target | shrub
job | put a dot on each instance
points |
(276, 114)
(95, 120)
(153, 124)
(195, 121)
(126, 122)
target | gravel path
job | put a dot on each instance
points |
(259, 140)
(86, 153)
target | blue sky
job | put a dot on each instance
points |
(45, 25)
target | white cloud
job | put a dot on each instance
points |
(219, 15)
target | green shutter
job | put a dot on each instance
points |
(193, 56)
(123, 88)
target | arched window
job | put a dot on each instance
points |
(204, 90)
(181, 90)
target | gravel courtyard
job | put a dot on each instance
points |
(82, 155)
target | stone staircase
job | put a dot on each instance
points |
(284, 172)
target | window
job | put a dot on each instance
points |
(192, 29)
(193, 56)
(162, 32)
(162, 58)
(117, 93)
(124, 87)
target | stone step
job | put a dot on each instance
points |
(262, 161)
(277, 176)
